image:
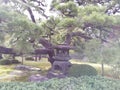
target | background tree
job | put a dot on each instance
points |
(92, 17)
(31, 6)
(104, 54)
(86, 19)
(19, 30)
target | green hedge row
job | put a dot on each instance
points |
(72, 83)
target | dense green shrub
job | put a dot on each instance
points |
(72, 83)
(29, 58)
(8, 62)
(15, 62)
(78, 70)
(5, 62)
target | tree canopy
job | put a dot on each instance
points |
(94, 18)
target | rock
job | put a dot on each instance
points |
(28, 68)
(21, 67)
(18, 73)
(62, 66)
(35, 69)
(37, 78)
(55, 75)
(7, 77)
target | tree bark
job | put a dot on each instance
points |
(31, 15)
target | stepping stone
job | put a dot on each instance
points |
(18, 73)
(27, 68)
(37, 78)
(55, 75)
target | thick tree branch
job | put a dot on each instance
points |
(70, 35)
(30, 13)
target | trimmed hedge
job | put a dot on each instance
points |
(78, 70)
(72, 83)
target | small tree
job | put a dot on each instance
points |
(104, 53)
(94, 51)
(18, 28)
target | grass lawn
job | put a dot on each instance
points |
(44, 65)
(5, 69)
(4, 72)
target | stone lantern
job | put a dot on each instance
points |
(61, 58)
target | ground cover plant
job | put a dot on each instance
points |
(81, 83)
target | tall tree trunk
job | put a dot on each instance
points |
(35, 57)
(30, 13)
(102, 68)
(102, 63)
(22, 59)
(1, 56)
(13, 57)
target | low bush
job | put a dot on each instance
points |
(5, 62)
(8, 62)
(29, 58)
(71, 83)
(78, 70)
(15, 62)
